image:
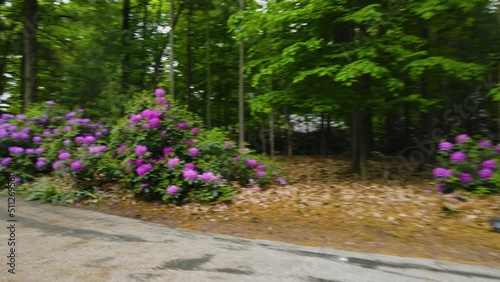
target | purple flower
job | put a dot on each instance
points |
(465, 177)
(26, 130)
(445, 146)
(76, 165)
(40, 164)
(193, 152)
(135, 118)
(20, 117)
(489, 164)
(206, 176)
(173, 162)
(64, 156)
(3, 133)
(462, 138)
(37, 139)
(282, 181)
(236, 159)
(149, 114)
(79, 139)
(189, 174)
(143, 169)
(458, 157)
(139, 162)
(190, 166)
(252, 163)
(442, 172)
(172, 189)
(97, 149)
(163, 133)
(485, 173)
(141, 150)
(7, 116)
(17, 179)
(188, 143)
(66, 129)
(50, 103)
(39, 151)
(497, 148)
(55, 130)
(122, 149)
(5, 161)
(154, 122)
(23, 136)
(161, 101)
(195, 130)
(159, 92)
(167, 151)
(70, 115)
(182, 125)
(144, 186)
(67, 142)
(89, 139)
(80, 111)
(262, 167)
(57, 165)
(16, 150)
(29, 151)
(260, 174)
(485, 144)
(47, 133)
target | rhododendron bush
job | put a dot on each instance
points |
(468, 164)
(158, 150)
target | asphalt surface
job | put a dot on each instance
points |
(67, 244)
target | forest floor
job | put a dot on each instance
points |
(325, 205)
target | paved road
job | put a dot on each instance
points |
(66, 244)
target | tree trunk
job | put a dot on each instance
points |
(209, 70)
(171, 47)
(289, 132)
(144, 65)
(323, 135)
(355, 141)
(126, 44)
(29, 57)
(271, 133)
(263, 134)
(360, 143)
(241, 89)
(190, 56)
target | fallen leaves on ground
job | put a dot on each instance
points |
(326, 205)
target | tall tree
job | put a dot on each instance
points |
(241, 88)
(29, 54)
(208, 66)
(171, 50)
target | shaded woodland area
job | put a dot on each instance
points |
(383, 76)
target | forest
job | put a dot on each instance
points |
(313, 77)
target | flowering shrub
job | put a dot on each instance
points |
(50, 138)
(468, 164)
(159, 150)
(165, 153)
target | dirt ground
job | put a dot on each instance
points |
(325, 205)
